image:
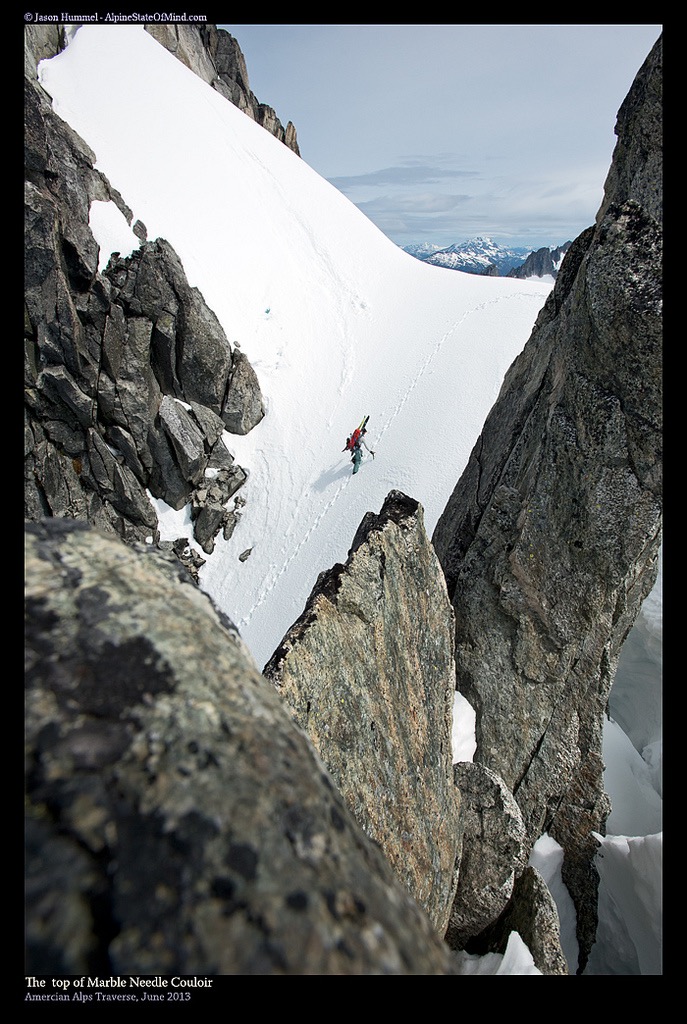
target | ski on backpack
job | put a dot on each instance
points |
(356, 443)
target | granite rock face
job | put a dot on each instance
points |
(130, 382)
(532, 913)
(178, 822)
(550, 540)
(494, 852)
(243, 407)
(368, 673)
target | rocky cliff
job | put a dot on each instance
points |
(550, 540)
(131, 385)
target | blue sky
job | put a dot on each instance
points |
(439, 133)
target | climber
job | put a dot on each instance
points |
(357, 449)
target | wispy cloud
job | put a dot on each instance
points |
(403, 174)
(420, 203)
(407, 201)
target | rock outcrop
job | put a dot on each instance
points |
(41, 42)
(368, 673)
(494, 852)
(178, 822)
(550, 540)
(498, 892)
(215, 56)
(544, 262)
(532, 913)
(130, 381)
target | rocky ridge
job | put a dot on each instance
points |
(544, 262)
(210, 52)
(178, 821)
(214, 55)
(550, 540)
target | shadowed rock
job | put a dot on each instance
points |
(111, 357)
(532, 913)
(550, 540)
(177, 820)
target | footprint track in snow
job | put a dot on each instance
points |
(265, 592)
(304, 540)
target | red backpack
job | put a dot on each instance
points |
(350, 443)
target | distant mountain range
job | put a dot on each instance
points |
(482, 255)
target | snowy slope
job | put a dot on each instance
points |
(336, 319)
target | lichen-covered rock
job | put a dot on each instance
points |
(494, 852)
(532, 913)
(550, 540)
(178, 822)
(368, 673)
